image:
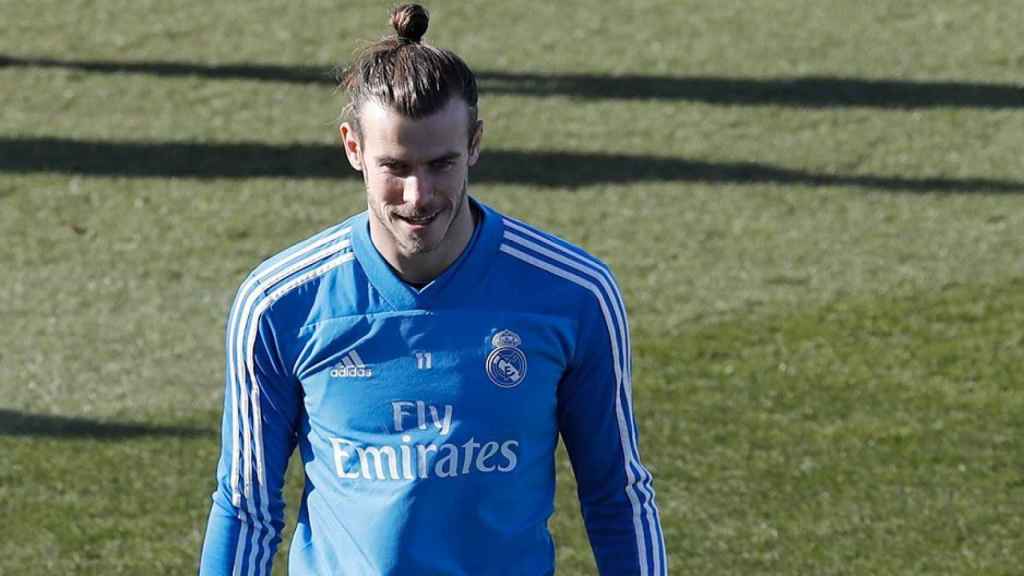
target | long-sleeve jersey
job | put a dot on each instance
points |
(427, 420)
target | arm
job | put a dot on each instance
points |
(596, 423)
(261, 404)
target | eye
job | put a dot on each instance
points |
(442, 165)
(394, 167)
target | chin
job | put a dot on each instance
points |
(413, 251)
(412, 247)
(433, 238)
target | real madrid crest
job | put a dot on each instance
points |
(506, 364)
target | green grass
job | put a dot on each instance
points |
(846, 438)
(842, 439)
(826, 368)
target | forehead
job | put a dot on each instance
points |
(386, 132)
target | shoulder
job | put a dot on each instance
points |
(554, 259)
(571, 280)
(566, 279)
(304, 263)
(555, 276)
(305, 254)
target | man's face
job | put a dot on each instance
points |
(415, 173)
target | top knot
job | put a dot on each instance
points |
(410, 21)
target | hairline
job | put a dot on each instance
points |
(350, 114)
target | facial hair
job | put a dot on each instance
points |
(414, 245)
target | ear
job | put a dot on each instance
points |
(350, 141)
(474, 142)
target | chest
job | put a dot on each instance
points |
(452, 374)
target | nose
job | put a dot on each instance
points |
(418, 190)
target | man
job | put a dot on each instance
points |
(425, 356)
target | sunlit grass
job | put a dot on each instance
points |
(826, 376)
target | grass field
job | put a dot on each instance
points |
(815, 211)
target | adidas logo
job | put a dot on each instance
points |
(351, 367)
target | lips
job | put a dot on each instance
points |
(418, 220)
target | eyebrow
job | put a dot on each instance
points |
(448, 156)
(384, 160)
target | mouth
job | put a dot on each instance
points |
(418, 221)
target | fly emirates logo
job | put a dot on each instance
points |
(411, 461)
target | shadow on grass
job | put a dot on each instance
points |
(804, 92)
(538, 168)
(14, 423)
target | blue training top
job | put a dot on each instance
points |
(427, 420)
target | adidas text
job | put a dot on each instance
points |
(351, 372)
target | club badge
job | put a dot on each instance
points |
(506, 364)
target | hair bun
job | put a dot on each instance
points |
(410, 21)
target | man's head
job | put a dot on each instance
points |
(411, 128)
(403, 73)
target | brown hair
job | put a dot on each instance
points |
(402, 73)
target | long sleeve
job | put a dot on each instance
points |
(261, 406)
(596, 423)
